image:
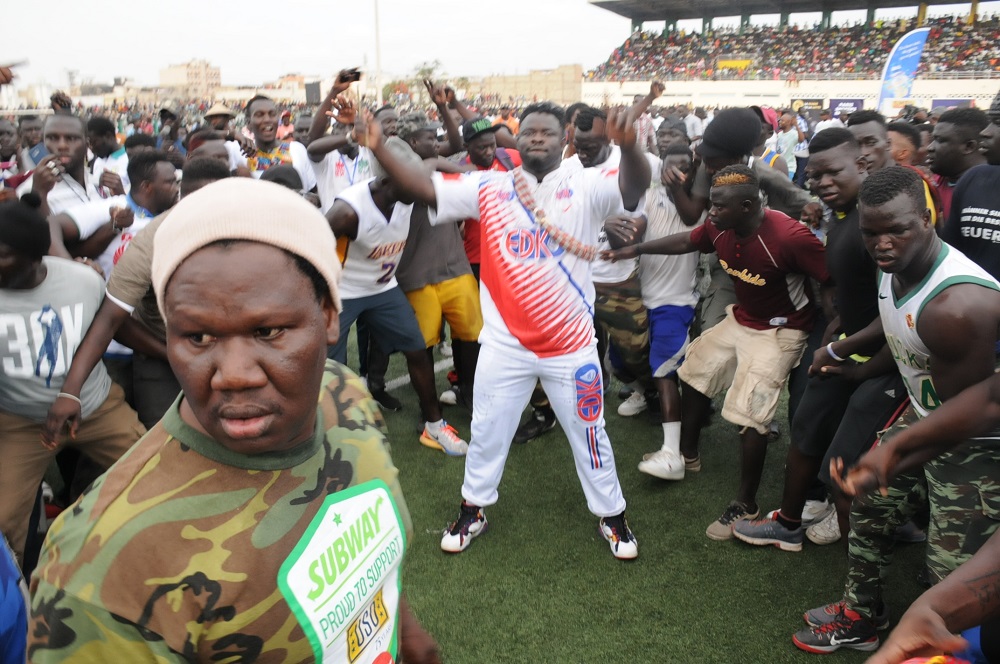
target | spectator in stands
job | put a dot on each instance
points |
(775, 52)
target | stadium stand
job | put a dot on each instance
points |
(769, 52)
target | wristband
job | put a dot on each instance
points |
(829, 349)
(67, 395)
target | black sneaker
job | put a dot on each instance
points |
(848, 629)
(471, 523)
(541, 420)
(387, 401)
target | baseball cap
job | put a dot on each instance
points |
(733, 133)
(477, 127)
(411, 123)
(767, 114)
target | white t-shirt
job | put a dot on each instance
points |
(605, 272)
(827, 124)
(536, 296)
(67, 192)
(116, 162)
(666, 279)
(91, 215)
(369, 262)
(336, 172)
(41, 329)
(300, 162)
(236, 158)
(694, 125)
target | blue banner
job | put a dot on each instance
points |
(901, 67)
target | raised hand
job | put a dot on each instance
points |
(343, 81)
(437, 93)
(621, 127)
(367, 130)
(344, 110)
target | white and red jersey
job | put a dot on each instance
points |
(369, 261)
(535, 295)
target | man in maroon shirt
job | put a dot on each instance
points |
(771, 258)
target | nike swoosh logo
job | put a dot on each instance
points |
(883, 297)
(834, 641)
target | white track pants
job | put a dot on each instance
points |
(504, 381)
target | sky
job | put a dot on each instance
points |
(253, 41)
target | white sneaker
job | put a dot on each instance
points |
(826, 531)
(663, 464)
(449, 397)
(635, 404)
(447, 440)
(445, 349)
(815, 511)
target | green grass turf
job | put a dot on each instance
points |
(542, 586)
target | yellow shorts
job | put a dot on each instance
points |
(752, 365)
(457, 300)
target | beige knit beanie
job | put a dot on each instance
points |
(244, 209)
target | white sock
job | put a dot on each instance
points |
(672, 437)
(434, 428)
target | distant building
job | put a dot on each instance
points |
(194, 79)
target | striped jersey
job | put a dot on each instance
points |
(901, 315)
(370, 260)
(535, 295)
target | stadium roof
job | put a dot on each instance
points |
(659, 10)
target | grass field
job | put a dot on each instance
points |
(542, 585)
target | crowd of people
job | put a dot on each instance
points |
(771, 52)
(850, 261)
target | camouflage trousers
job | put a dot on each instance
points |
(620, 314)
(962, 488)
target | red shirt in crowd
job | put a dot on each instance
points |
(770, 269)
